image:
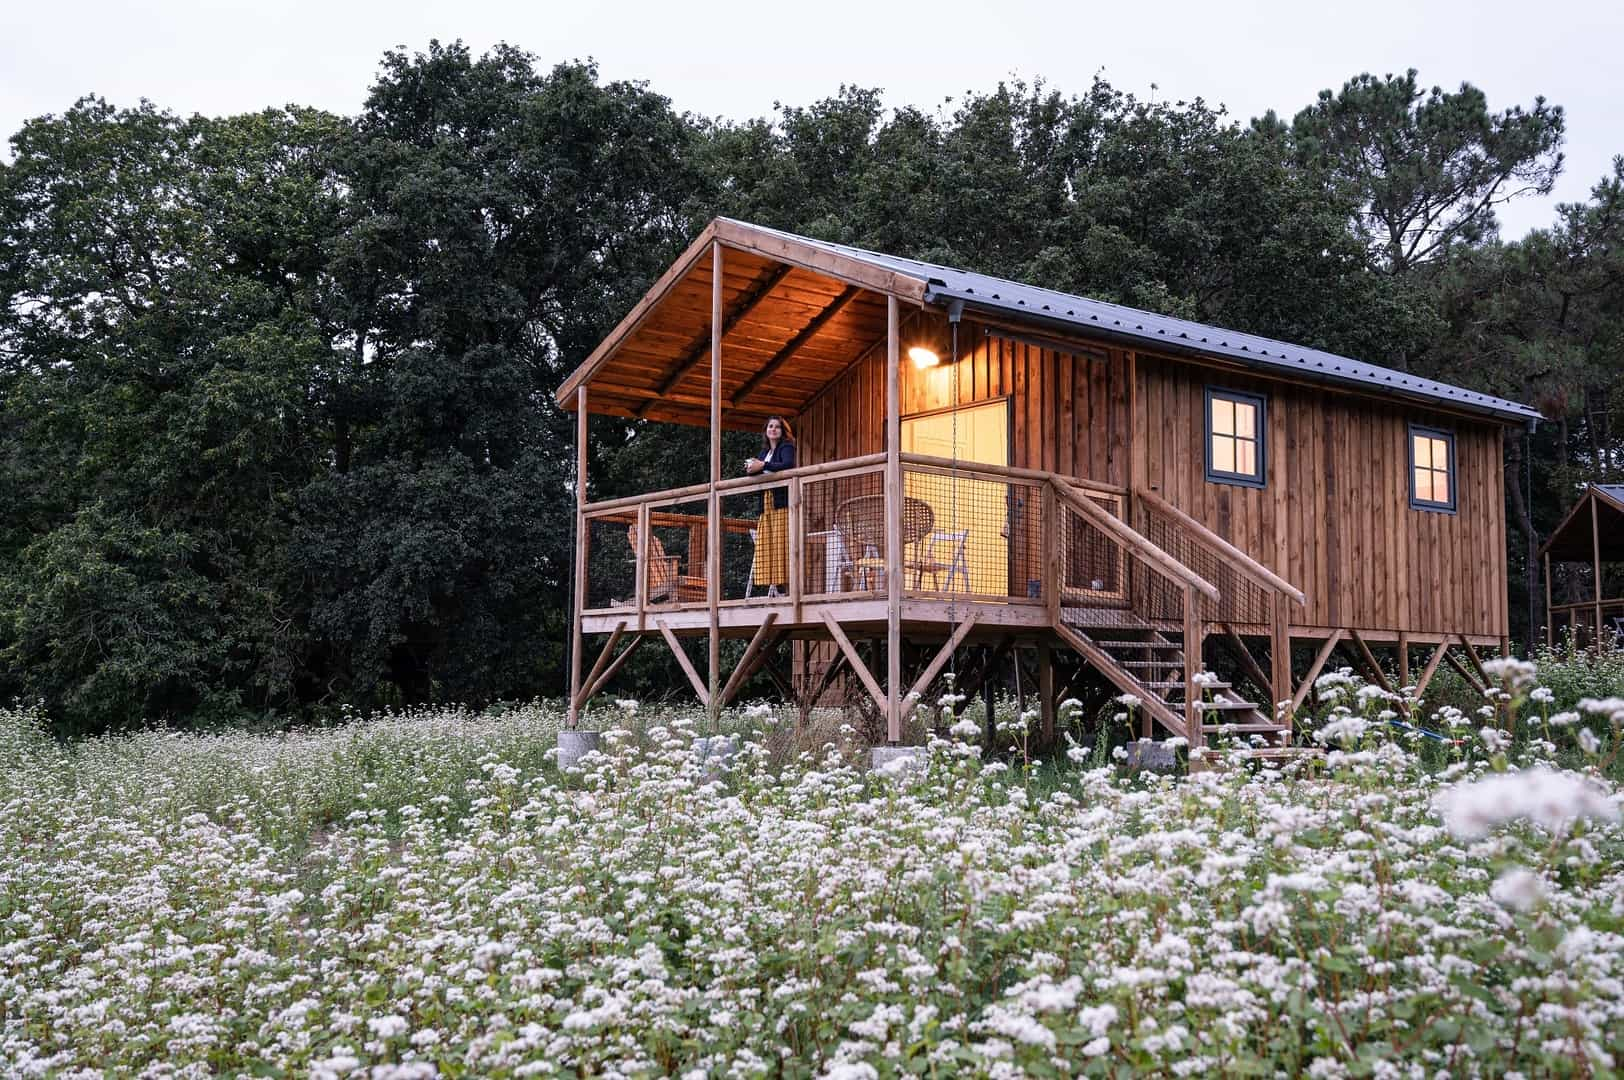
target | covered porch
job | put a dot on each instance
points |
(1582, 610)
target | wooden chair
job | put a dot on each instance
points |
(860, 524)
(666, 581)
(943, 553)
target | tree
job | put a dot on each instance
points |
(1426, 169)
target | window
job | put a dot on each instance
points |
(1432, 469)
(1235, 425)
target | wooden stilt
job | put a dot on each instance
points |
(856, 661)
(1431, 669)
(1248, 662)
(1046, 693)
(713, 509)
(592, 688)
(581, 536)
(1403, 659)
(686, 664)
(893, 520)
(1320, 657)
(940, 660)
(603, 658)
(763, 634)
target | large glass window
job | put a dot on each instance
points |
(1432, 469)
(1235, 446)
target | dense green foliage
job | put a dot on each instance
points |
(277, 432)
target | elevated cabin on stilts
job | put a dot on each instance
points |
(985, 463)
(1589, 538)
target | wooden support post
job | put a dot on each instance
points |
(856, 661)
(1377, 675)
(1055, 575)
(643, 526)
(1549, 639)
(1254, 670)
(1314, 669)
(713, 508)
(934, 668)
(893, 523)
(592, 688)
(686, 664)
(1431, 669)
(1595, 567)
(1046, 692)
(1471, 680)
(797, 550)
(764, 633)
(1192, 663)
(1403, 659)
(603, 659)
(1279, 656)
(1477, 661)
(581, 535)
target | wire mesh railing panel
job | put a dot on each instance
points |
(756, 544)
(1241, 599)
(843, 534)
(674, 572)
(972, 534)
(610, 574)
(1104, 585)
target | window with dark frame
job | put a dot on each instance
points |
(1235, 445)
(1432, 469)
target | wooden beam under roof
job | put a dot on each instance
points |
(700, 350)
(784, 355)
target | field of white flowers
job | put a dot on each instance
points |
(424, 894)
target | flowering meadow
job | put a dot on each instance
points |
(425, 894)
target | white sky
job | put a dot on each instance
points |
(735, 59)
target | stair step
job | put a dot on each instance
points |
(1158, 646)
(1227, 706)
(1178, 684)
(1163, 664)
(1213, 728)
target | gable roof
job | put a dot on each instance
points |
(634, 383)
(1575, 539)
(945, 284)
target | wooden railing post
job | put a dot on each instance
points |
(1192, 663)
(893, 522)
(643, 525)
(1280, 664)
(797, 548)
(713, 502)
(581, 535)
(1055, 567)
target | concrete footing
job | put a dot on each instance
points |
(574, 745)
(896, 759)
(1149, 755)
(715, 751)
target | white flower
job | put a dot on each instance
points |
(1130, 700)
(626, 705)
(966, 729)
(1518, 889)
(1588, 742)
(1552, 800)
(1610, 707)
(1494, 740)
(387, 1027)
(1509, 672)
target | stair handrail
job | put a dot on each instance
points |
(1136, 541)
(1249, 566)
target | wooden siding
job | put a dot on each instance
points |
(1333, 518)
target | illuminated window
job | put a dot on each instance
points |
(1432, 469)
(1235, 425)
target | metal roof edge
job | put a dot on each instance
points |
(1509, 411)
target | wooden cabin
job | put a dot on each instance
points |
(986, 463)
(1589, 538)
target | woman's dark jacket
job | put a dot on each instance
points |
(777, 460)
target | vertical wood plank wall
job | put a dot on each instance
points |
(1334, 517)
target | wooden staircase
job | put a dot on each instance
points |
(1143, 661)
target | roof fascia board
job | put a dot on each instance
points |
(771, 245)
(640, 312)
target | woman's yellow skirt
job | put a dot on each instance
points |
(772, 544)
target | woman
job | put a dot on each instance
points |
(772, 531)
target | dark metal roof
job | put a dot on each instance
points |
(946, 284)
(1612, 491)
(1576, 538)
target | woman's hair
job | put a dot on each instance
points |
(789, 433)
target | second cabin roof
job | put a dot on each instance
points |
(797, 312)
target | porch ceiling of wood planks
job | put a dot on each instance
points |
(794, 318)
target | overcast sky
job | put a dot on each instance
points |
(736, 59)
